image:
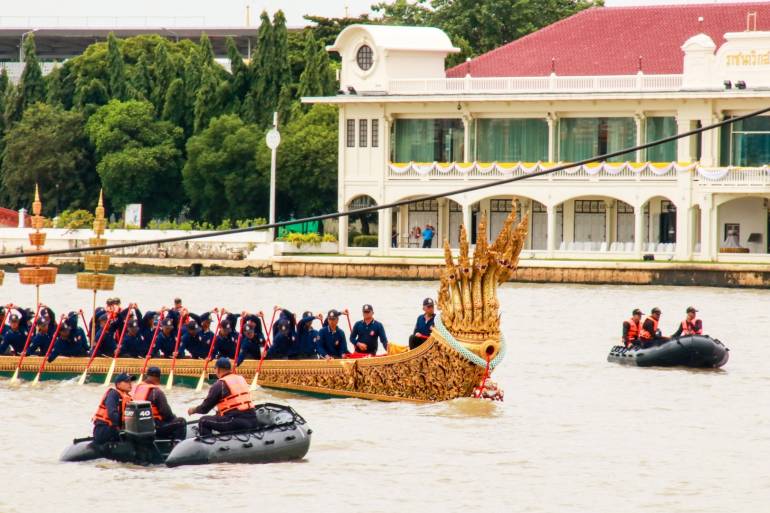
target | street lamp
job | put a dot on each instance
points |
(273, 139)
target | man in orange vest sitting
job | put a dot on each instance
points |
(232, 397)
(650, 333)
(108, 418)
(690, 325)
(632, 328)
(167, 425)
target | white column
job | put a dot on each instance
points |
(342, 236)
(609, 221)
(709, 143)
(684, 146)
(384, 223)
(683, 231)
(568, 221)
(467, 138)
(552, 125)
(638, 230)
(551, 235)
(708, 228)
(468, 218)
(639, 122)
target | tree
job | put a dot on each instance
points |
(163, 73)
(48, 146)
(139, 158)
(239, 74)
(261, 71)
(310, 80)
(205, 52)
(116, 68)
(32, 84)
(3, 91)
(174, 106)
(307, 163)
(220, 176)
(205, 101)
(90, 94)
(141, 79)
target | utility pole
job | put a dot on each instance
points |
(273, 139)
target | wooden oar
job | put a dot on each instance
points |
(15, 376)
(95, 351)
(170, 382)
(264, 349)
(202, 379)
(48, 352)
(88, 328)
(152, 343)
(7, 312)
(238, 345)
(116, 354)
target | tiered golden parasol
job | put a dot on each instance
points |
(96, 262)
(39, 273)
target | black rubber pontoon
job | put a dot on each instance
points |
(697, 351)
(283, 435)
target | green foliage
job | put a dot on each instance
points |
(310, 80)
(74, 219)
(298, 239)
(32, 84)
(117, 71)
(329, 237)
(139, 157)
(221, 178)
(174, 106)
(48, 147)
(365, 241)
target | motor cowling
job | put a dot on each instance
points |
(139, 421)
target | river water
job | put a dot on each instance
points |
(575, 433)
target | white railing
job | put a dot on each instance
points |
(616, 247)
(734, 176)
(15, 69)
(553, 84)
(101, 21)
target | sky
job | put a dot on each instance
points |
(15, 13)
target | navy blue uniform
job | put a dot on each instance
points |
(194, 345)
(133, 346)
(251, 348)
(40, 342)
(225, 346)
(306, 348)
(368, 334)
(108, 345)
(165, 344)
(13, 339)
(104, 433)
(421, 331)
(332, 343)
(74, 344)
(283, 345)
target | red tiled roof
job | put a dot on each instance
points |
(610, 40)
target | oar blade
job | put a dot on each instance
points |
(170, 382)
(110, 372)
(254, 381)
(82, 378)
(201, 380)
(15, 376)
(36, 381)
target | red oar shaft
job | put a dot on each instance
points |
(268, 343)
(88, 327)
(238, 347)
(95, 349)
(152, 343)
(123, 331)
(213, 341)
(50, 346)
(182, 320)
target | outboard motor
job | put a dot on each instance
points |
(139, 421)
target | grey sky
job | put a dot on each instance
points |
(194, 12)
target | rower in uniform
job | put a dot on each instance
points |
(225, 340)
(366, 332)
(71, 342)
(650, 334)
(691, 325)
(167, 425)
(307, 338)
(108, 419)
(14, 335)
(424, 324)
(192, 341)
(166, 340)
(232, 397)
(632, 328)
(133, 342)
(253, 340)
(41, 339)
(284, 340)
(108, 343)
(332, 342)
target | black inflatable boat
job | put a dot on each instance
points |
(698, 351)
(282, 435)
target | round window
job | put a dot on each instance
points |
(364, 57)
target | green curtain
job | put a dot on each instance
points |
(658, 128)
(621, 133)
(578, 138)
(751, 142)
(512, 140)
(429, 140)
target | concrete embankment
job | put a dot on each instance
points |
(409, 268)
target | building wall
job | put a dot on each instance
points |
(751, 214)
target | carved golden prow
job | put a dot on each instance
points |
(468, 292)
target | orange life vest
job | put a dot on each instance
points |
(240, 395)
(101, 412)
(141, 392)
(634, 328)
(688, 328)
(646, 335)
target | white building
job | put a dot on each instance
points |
(602, 80)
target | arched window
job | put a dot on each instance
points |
(365, 57)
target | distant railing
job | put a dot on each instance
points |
(15, 69)
(34, 22)
(553, 83)
(734, 176)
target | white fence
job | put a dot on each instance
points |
(553, 83)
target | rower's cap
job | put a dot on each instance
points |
(133, 323)
(637, 312)
(427, 302)
(248, 328)
(655, 310)
(333, 314)
(103, 317)
(177, 300)
(224, 325)
(224, 363)
(192, 326)
(691, 309)
(205, 317)
(154, 371)
(367, 308)
(14, 317)
(168, 321)
(124, 377)
(110, 301)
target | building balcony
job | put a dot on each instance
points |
(523, 85)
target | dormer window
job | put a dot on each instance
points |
(365, 57)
